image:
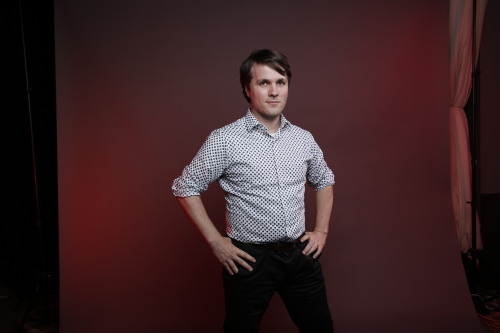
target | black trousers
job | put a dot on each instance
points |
(297, 278)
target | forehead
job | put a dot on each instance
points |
(264, 72)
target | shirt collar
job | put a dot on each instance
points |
(251, 122)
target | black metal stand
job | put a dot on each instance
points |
(474, 129)
(38, 300)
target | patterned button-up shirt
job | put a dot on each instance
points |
(262, 175)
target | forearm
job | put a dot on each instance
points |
(324, 205)
(195, 210)
(317, 238)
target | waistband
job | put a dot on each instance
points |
(275, 246)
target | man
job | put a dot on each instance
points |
(262, 163)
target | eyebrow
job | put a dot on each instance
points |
(267, 80)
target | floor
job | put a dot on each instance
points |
(29, 316)
(41, 314)
(485, 283)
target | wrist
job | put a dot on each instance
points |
(321, 231)
(214, 240)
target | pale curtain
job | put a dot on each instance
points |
(460, 56)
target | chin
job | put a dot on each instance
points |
(274, 113)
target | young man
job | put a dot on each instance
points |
(262, 163)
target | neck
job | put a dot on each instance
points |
(271, 123)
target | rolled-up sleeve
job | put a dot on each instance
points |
(206, 167)
(319, 175)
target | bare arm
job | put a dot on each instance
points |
(317, 237)
(225, 252)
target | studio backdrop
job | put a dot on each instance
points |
(140, 84)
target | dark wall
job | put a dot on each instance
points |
(489, 138)
(489, 114)
(141, 84)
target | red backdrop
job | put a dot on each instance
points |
(140, 84)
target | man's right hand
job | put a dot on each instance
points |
(222, 247)
(229, 255)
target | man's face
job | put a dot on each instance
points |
(268, 92)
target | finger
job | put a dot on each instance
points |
(240, 259)
(245, 265)
(317, 253)
(228, 268)
(304, 238)
(245, 255)
(312, 248)
(233, 269)
(308, 249)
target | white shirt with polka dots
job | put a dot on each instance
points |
(262, 176)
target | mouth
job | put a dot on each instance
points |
(273, 102)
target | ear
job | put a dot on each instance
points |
(247, 91)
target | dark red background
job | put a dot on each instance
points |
(141, 84)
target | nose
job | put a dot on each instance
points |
(273, 90)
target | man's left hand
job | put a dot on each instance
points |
(316, 242)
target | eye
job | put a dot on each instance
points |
(263, 83)
(281, 82)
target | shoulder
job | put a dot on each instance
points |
(299, 132)
(232, 129)
(220, 137)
